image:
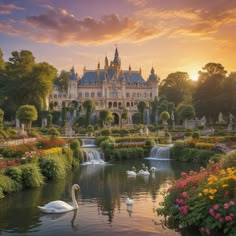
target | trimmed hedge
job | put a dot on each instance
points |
(182, 153)
(125, 154)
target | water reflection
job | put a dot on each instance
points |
(102, 202)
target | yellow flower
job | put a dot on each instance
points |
(200, 194)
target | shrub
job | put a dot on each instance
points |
(229, 160)
(15, 173)
(54, 132)
(7, 185)
(195, 135)
(31, 176)
(126, 154)
(105, 132)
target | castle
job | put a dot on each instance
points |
(112, 88)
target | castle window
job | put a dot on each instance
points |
(99, 94)
(127, 95)
(55, 95)
(86, 94)
(92, 95)
(80, 95)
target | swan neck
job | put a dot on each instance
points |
(75, 204)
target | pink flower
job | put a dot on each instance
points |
(217, 215)
(226, 206)
(184, 194)
(208, 231)
(221, 220)
(228, 218)
(211, 211)
(231, 203)
(202, 229)
(216, 207)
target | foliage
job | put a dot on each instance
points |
(175, 87)
(195, 135)
(31, 176)
(89, 106)
(208, 97)
(141, 108)
(54, 132)
(182, 153)
(165, 116)
(46, 143)
(75, 147)
(61, 81)
(7, 185)
(105, 132)
(15, 173)
(26, 114)
(126, 153)
(185, 111)
(52, 167)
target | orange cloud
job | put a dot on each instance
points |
(61, 27)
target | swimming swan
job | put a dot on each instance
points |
(129, 201)
(131, 172)
(60, 206)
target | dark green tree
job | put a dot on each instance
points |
(61, 81)
(141, 108)
(207, 97)
(89, 106)
(175, 87)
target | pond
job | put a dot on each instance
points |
(101, 199)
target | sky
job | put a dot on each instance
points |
(169, 35)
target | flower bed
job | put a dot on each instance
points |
(205, 200)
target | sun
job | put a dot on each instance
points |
(193, 75)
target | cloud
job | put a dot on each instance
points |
(6, 9)
(61, 27)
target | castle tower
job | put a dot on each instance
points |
(153, 80)
(117, 62)
(72, 85)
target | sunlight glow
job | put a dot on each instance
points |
(193, 75)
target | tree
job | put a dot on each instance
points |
(185, 112)
(62, 80)
(26, 82)
(207, 97)
(141, 107)
(2, 62)
(164, 116)
(175, 87)
(124, 117)
(26, 114)
(106, 117)
(1, 118)
(89, 106)
(154, 110)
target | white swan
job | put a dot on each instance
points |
(60, 206)
(129, 201)
(131, 172)
(153, 169)
(144, 172)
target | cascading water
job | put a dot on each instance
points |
(91, 154)
(88, 142)
(160, 152)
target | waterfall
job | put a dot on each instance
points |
(88, 142)
(160, 152)
(92, 156)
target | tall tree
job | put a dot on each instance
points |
(89, 106)
(175, 87)
(207, 97)
(141, 107)
(2, 62)
(61, 81)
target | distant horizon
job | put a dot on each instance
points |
(170, 36)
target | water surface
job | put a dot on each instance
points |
(102, 202)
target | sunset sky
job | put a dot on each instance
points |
(170, 35)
